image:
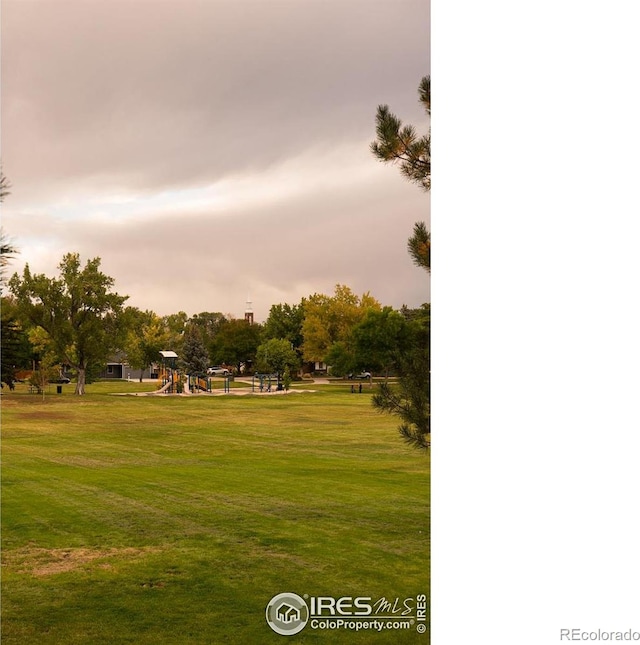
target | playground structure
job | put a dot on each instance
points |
(266, 382)
(170, 377)
(172, 380)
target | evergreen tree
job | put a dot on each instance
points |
(419, 246)
(12, 337)
(400, 144)
(410, 397)
(15, 350)
(7, 248)
(195, 358)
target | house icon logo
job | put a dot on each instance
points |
(287, 614)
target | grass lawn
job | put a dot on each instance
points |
(176, 519)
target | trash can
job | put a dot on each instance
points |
(59, 389)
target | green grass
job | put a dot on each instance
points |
(176, 519)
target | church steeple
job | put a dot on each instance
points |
(248, 312)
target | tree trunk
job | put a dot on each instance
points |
(81, 381)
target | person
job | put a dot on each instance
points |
(353, 388)
(360, 388)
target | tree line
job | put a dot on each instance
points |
(76, 319)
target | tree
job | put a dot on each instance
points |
(78, 311)
(12, 337)
(277, 356)
(7, 253)
(285, 321)
(15, 349)
(342, 358)
(235, 343)
(46, 368)
(410, 397)
(146, 337)
(4, 185)
(195, 358)
(7, 248)
(380, 339)
(209, 324)
(400, 144)
(419, 246)
(330, 319)
(175, 324)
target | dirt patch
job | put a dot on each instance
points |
(47, 562)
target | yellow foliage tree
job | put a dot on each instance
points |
(329, 319)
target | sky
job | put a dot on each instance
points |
(212, 152)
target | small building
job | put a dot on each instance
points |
(117, 367)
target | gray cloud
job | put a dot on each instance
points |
(159, 102)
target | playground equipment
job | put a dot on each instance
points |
(198, 384)
(171, 380)
(170, 377)
(174, 381)
(265, 382)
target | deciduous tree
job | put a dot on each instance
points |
(380, 339)
(209, 323)
(78, 311)
(285, 321)
(175, 324)
(329, 319)
(276, 356)
(146, 337)
(236, 342)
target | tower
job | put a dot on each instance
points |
(248, 312)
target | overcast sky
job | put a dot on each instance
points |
(211, 150)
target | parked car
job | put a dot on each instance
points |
(217, 370)
(361, 375)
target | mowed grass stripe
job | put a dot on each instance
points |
(175, 520)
